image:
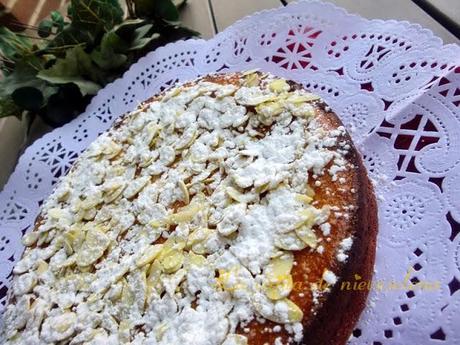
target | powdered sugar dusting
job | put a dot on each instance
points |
(178, 225)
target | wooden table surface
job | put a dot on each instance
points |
(212, 16)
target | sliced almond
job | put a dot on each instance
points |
(160, 330)
(269, 109)
(113, 191)
(307, 235)
(89, 214)
(263, 188)
(135, 186)
(290, 241)
(154, 285)
(173, 261)
(42, 238)
(73, 238)
(127, 299)
(252, 96)
(279, 85)
(281, 311)
(184, 191)
(124, 330)
(279, 289)
(225, 90)
(277, 278)
(167, 155)
(58, 328)
(172, 243)
(137, 280)
(228, 279)
(235, 339)
(238, 196)
(195, 259)
(56, 213)
(24, 283)
(197, 236)
(111, 148)
(279, 266)
(150, 253)
(242, 181)
(63, 194)
(146, 161)
(227, 227)
(295, 314)
(91, 201)
(115, 291)
(187, 139)
(308, 218)
(302, 98)
(30, 238)
(96, 242)
(304, 198)
(251, 80)
(42, 267)
(186, 214)
(171, 93)
(68, 262)
(151, 132)
(309, 191)
(303, 110)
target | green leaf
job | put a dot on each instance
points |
(94, 48)
(90, 19)
(143, 8)
(44, 28)
(156, 9)
(176, 32)
(143, 42)
(95, 14)
(64, 105)
(179, 3)
(166, 9)
(140, 43)
(24, 74)
(76, 68)
(9, 108)
(108, 62)
(70, 37)
(57, 17)
(111, 42)
(126, 30)
(128, 26)
(17, 89)
(13, 46)
(142, 31)
(58, 20)
(28, 98)
(105, 56)
(139, 37)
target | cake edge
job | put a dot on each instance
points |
(341, 310)
(338, 315)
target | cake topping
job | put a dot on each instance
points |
(180, 225)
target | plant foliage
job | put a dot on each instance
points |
(55, 74)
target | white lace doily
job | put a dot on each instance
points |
(394, 85)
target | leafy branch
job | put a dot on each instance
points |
(55, 74)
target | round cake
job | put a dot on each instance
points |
(233, 209)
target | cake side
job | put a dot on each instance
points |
(335, 321)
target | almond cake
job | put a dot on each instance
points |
(228, 210)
